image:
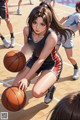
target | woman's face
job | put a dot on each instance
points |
(39, 26)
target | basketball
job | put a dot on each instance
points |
(14, 61)
(13, 99)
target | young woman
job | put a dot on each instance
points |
(68, 108)
(72, 21)
(41, 36)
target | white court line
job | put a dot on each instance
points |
(5, 83)
(9, 80)
(56, 99)
(67, 64)
(63, 62)
(15, 33)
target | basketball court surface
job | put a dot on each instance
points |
(35, 109)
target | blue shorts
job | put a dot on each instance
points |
(68, 44)
(54, 66)
(45, 66)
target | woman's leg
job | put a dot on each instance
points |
(69, 53)
(10, 27)
(18, 10)
(30, 2)
(19, 3)
(57, 70)
(54, 1)
(44, 82)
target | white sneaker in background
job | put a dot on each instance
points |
(76, 74)
(6, 44)
(19, 12)
(12, 42)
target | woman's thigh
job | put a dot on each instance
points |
(44, 82)
(69, 52)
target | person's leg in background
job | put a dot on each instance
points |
(68, 45)
(10, 27)
(54, 1)
(19, 5)
(69, 53)
(2, 15)
(31, 2)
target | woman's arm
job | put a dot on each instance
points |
(79, 28)
(54, 1)
(7, 1)
(24, 49)
(63, 19)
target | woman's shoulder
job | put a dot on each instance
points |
(51, 31)
(26, 30)
(52, 35)
(77, 14)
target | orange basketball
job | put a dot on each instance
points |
(14, 61)
(13, 99)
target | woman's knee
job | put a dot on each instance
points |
(8, 22)
(70, 58)
(36, 93)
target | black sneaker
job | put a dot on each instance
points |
(28, 84)
(49, 96)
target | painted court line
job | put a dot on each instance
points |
(5, 83)
(67, 64)
(11, 80)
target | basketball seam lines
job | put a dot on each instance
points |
(17, 99)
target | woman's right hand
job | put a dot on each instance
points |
(23, 84)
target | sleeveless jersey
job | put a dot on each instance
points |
(54, 56)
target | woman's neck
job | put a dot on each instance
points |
(37, 37)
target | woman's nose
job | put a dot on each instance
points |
(37, 26)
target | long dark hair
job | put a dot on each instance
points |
(46, 11)
(77, 6)
(67, 108)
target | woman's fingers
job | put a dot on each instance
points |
(22, 86)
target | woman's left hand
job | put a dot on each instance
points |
(23, 84)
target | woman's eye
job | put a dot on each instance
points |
(34, 22)
(42, 24)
